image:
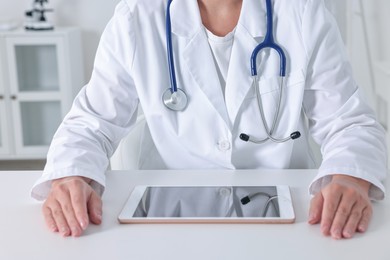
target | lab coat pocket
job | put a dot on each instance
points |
(271, 90)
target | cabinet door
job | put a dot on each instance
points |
(4, 123)
(4, 136)
(37, 75)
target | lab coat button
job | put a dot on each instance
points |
(224, 145)
(224, 192)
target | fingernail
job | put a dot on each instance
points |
(54, 228)
(75, 232)
(64, 231)
(347, 234)
(83, 224)
(336, 234)
(361, 229)
(311, 217)
(325, 230)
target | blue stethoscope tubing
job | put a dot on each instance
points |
(176, 99)
(269, 43)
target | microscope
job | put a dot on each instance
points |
(36, 20)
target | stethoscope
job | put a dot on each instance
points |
(176, 99)
(270, 200)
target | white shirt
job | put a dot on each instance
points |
(221, 48)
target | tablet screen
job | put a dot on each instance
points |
(207, 202)
(214, 202)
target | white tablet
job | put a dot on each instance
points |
(208, 204)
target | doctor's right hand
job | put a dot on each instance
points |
(71, 205)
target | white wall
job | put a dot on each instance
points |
(371, 47)
(90, 15)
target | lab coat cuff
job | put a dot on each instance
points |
(376, 192)
(42, 186)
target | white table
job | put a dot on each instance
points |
(23, 234)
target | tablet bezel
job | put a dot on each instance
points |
(286, 208)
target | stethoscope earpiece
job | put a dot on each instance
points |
(295, 135)
(247, 138)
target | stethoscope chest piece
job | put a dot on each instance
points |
(176, 101)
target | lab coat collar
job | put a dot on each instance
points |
(253, 17)
(201, 66)
(186, 20)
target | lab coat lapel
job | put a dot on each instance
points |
(250, 30)
(197, 55)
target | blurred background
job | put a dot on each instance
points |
(362, 23)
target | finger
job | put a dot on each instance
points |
(68, 212)
(366, 217)
(315, 211)
(353, 220)
(331, 202)
(95, 208)
(60, 219)
(79, 202)
(342, 215)
(49, 219)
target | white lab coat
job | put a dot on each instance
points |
(320, 98)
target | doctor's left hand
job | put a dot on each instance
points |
(342, 207)
(71, 205)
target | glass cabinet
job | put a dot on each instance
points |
(43, 74)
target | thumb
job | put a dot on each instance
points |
(315, 211)
(95, 208)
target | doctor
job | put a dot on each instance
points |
(218, 97)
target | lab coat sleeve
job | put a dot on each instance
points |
(102, 113)
(351, 139)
